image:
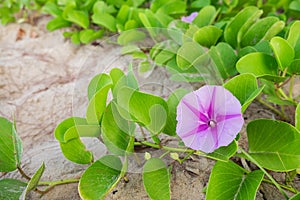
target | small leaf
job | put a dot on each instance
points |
(78, 17)
(187, 54)
(274, 144)
(230, 181)
(257, 31)
(224, 153)
(57, 23)
(97, 106)
(283, 51)
(156, 179)
(294, 37)
(147, 109)
(62, 127)
(244, 87)
(100, 178)
(240, 24)
(225, 59)
(52, 9)
(10, 146)
(11, 189)
(116, 131)
(207, 36)
(131, 37)
(294, 67)
(89, 35)
(206, 16)
(98, 82)
(34, 181)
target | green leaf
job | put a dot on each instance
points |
(283, 51)
(274, 144)
(156, 179)
(100, 178)
(225, 59)
(89, 35)
(294, 37)
(78, 17)
(10, 146)
(224, 153)
(206, 16)
(172, 7)
(259, 30)
(131, 37)
(187, 54)
(116, 131)
(97, 83)
(34, 181)
(295, 197)
(294, 67)
(230, 181)
(239, 24)
(207, 36)
(11, 189)
(147, 109)
(57, 23)
(172, 102)
(106, 20)
(62, 127)
(52, 9)
(297, 117)
(259, 64)
(244, 87)
(97, 106)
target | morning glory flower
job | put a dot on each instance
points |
(209, 118)
(190, 18)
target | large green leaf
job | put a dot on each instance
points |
(206, 16)
(172, 102)
(78, 17)
(172, 7)
(225, 59)
(10, 146)
(156, 179)
(207, 36)
(283, 51)
(187, 54)
(244, 87)
(274, 144)
(131, 37)
(34, 181)
(260, 29)
(100, 178)
(116, 131)
(106, 20)
(11, 189)
(57, 23)
(294, 67)
(259, 64)
(240, 24)
(230, 181)
(68, 133)
(149, 110)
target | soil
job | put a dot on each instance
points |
(43, 80)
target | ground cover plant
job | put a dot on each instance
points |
(242, 51)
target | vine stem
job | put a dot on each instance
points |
(283, 186)
(23, 173)
(272, 108)
(265, 172)
(58, 182)
(167, 148)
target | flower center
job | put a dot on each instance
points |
(212, 123)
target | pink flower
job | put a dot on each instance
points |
(209, 118)
(190, 18)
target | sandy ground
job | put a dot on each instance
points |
(43, 80)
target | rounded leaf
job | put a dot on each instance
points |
(207, 36)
